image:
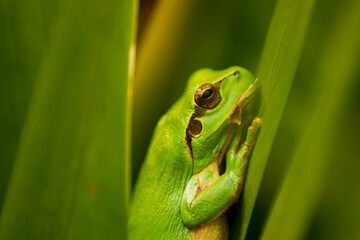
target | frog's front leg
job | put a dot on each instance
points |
(201, 202)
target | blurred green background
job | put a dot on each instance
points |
(75, 123)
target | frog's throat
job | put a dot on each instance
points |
(223, 149)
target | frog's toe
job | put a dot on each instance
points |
(257, 122)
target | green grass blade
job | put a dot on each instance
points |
(277, 67)
(104, 187)
(302, 187)
(22, 36)
(71, 175)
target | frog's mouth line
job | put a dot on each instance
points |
(235, 115)
(234, 122)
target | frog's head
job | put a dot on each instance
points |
(217, 98)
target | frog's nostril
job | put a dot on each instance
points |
(236, 73)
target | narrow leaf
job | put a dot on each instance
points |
(71, 175)
(302, 187)
(22, 36)
(277, 67)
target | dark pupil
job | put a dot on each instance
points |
(207, 93)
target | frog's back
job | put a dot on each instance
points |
(155, 207)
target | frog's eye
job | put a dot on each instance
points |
(207, 96)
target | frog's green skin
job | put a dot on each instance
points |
(179, 193)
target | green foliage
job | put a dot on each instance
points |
(276, 71)
(24, 31)
(71, 175)
(302, 187)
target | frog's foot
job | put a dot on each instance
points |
(250, 138)
(237, 159)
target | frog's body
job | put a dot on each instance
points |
(156, 208)
(180, 193)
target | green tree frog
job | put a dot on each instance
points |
(195, 166)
